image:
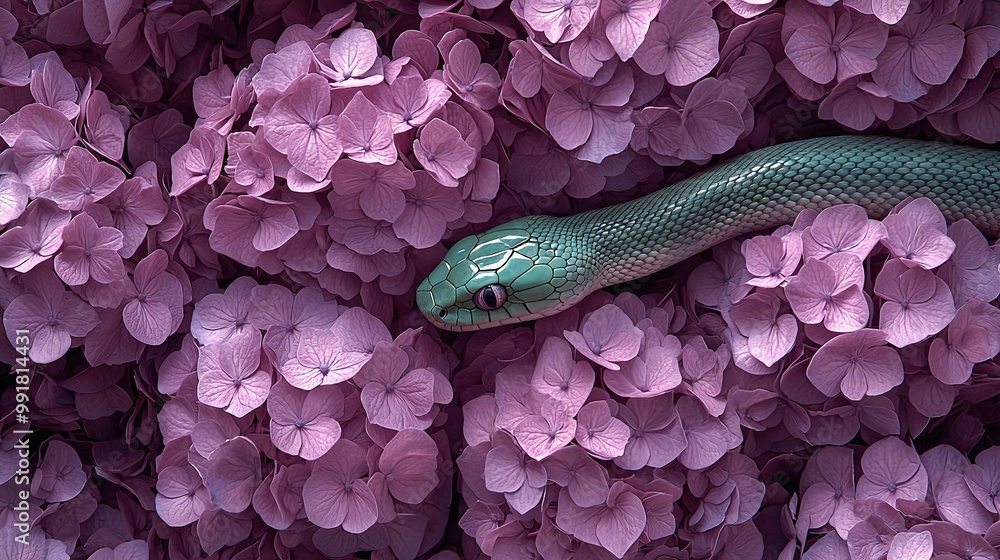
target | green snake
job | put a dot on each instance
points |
(537, 266)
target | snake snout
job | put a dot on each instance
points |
(425, 301)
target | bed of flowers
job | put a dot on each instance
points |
(213, 216)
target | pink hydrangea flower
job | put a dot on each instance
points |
(829, 292)
(581, 476)
(37, 237)
(560, 21)
(469, 77)
(53, 317)
(540, 435)
(892, 471)
(916, 234)
(89, 252)
(856, 364)
(925, 52)
(84, 180)
(443, 152)
(657, 436)
(508, 470)
(613, 525)
(973, 336)
(841, 229)
(365, 132)
(771, 334)
(558, 375)
(181, 496)
(229, 376)
(394, 396)
(600, 433)
(626, 23)
(321, 358)
(917, 303)
(304, 423)
(336, 494)
(607, 337)
(771, 259)
(301, 126)
(829, 45)
(591, 119)
(653, 372)
(682, 43)
(971, 271)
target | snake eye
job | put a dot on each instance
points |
(490, 297)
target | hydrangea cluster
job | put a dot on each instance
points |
(213, 216)
(669, 425)
(351, 432)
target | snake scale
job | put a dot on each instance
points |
(537, 266)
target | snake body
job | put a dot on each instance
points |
(537, 266)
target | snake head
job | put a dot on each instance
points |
(507, 274)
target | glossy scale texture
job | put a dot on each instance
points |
(547, 264)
